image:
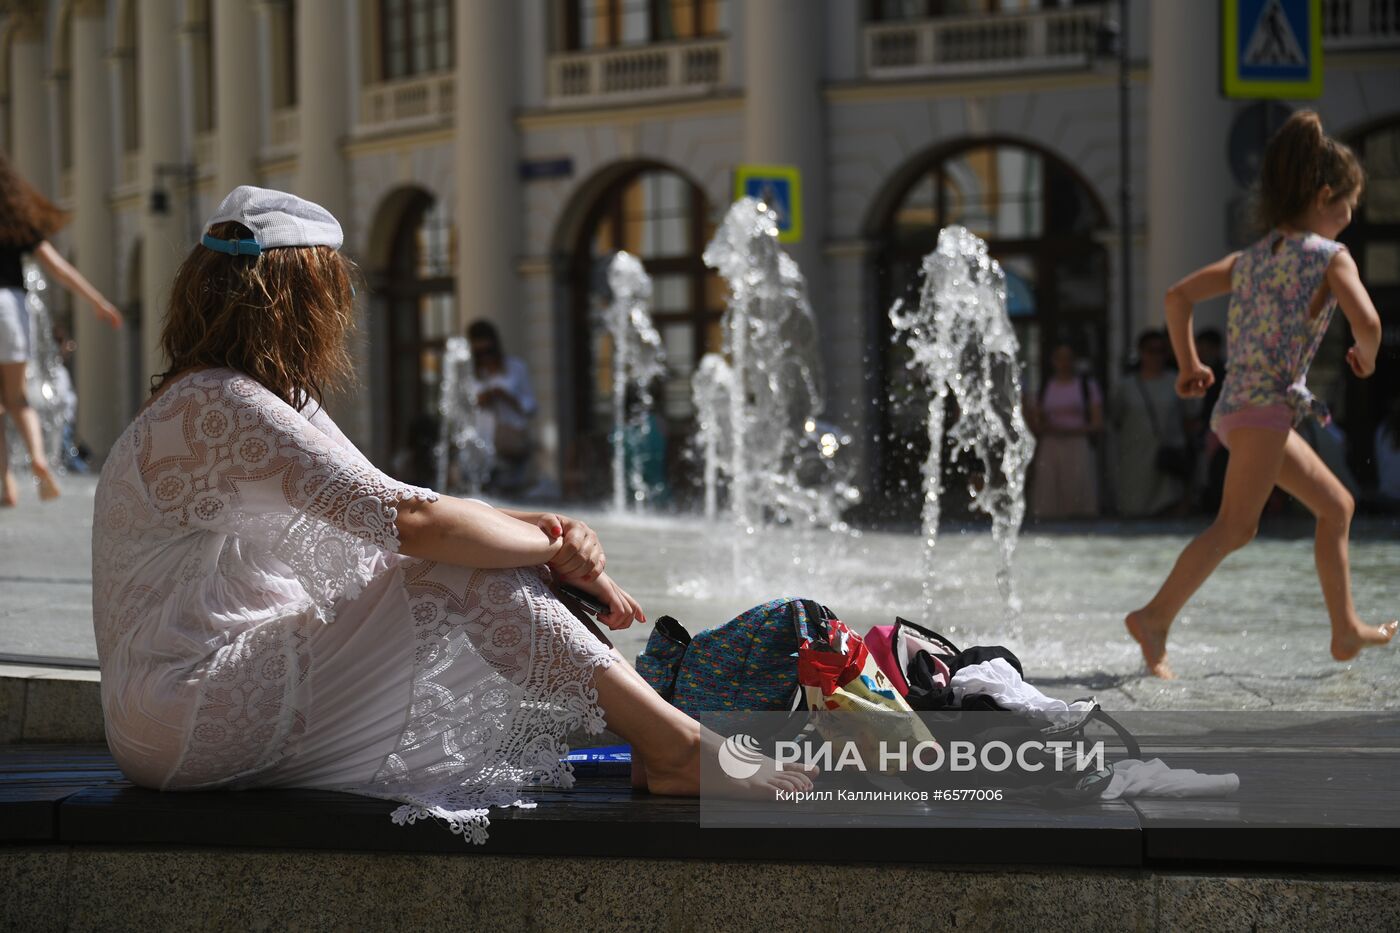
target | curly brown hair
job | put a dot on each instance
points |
(282, 317)
(26, 216)
(1298, 162)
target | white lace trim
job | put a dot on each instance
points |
(461, 753)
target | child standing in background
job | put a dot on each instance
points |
(1283, 290)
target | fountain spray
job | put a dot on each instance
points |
(758, 404)
(963, 342)
(638, 360)
(461, 442)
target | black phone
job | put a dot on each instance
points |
(590, 603)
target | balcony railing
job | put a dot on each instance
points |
(1360, 24)
(671, 69)
(958, 45)
(284, 128)
(420, 101)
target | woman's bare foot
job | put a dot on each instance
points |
(680, 775)
(1151, 636)
(1347, 645)
(10, 493)
(639, 770)
(48, 486)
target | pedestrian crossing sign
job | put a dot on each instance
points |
(1272, 48)
(778, 186)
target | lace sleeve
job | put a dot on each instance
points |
(221, 453)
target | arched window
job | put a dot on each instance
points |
(421, 313)
(1040, 222)
(1374, 239)
(662, 218)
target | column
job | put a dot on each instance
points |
(165, 238)
(323, 87)
(1189, 186)
(29, 110)
(236, 95)
(783, 42)
(100, 397)
(488, 186)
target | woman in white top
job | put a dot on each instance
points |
(271, 610)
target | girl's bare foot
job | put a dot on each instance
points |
(1347, 645)
(10, 493)
(680, 776)
(1151, 637)
(48, 486)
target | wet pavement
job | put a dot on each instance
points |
(1255, 637)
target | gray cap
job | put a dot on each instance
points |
(276, 218)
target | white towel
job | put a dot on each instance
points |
(1134, 778)
(1000, 681)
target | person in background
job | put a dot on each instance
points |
(27, 220)
(507, 406)
(1214, 457)
(644, 449)
(1388, 457)
(1067, 419)
(1149, 421)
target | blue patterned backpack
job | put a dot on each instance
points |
(747, 664)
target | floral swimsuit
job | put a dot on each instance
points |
(1272, 339)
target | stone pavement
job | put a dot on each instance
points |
(46, 573)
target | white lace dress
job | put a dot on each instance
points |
(256, 626)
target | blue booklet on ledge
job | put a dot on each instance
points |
(607, 760)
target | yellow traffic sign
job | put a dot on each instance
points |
(778, 186)
(1272, 48)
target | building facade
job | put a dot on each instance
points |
(486, 157)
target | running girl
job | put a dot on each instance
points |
(1283, 290)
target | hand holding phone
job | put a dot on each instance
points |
(590, 603)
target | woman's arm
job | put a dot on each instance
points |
(471, 534)
(63, 270)
(1205, 283)
(581, 558)
(1345, 281)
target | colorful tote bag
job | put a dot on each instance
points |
(747, 664)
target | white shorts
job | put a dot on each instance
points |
(14, 326)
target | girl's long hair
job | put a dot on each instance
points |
(26, 216)
(282, 317)
(1299, 160)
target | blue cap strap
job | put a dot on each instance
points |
(232, 247)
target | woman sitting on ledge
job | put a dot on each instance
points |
(273, 611)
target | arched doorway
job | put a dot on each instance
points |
(1041, 222)
(661, 217)
(417, 313)
(1374, 240)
